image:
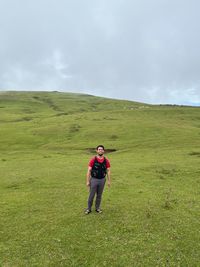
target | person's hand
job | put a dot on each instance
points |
(109, 184)
(88, 185)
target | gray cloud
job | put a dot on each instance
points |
(139, 50)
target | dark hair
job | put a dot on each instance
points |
(100, 146)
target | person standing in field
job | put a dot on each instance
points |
(99, 167)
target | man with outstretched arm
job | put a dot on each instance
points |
(99, 167)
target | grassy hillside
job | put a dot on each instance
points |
(151, 211)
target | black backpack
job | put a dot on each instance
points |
(99, 170)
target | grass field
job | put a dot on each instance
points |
(151, 212)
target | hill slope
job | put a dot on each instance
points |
(151, 212)
(39, 120)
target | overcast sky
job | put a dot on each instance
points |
(142, 50)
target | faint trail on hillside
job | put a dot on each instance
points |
(49, 102)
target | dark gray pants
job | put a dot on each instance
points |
(96, 187)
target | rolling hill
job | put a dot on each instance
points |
(151, 211)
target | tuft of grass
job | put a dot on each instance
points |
(169, 201)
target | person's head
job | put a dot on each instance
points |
(100, 150)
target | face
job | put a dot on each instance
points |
(100, 151)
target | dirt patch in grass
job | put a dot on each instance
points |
(92, 150)
(195, 153)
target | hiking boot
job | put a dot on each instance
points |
(99, 211)
(87, 211)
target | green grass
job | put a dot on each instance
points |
(151, 211)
